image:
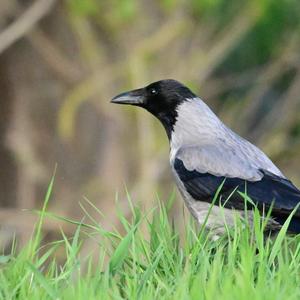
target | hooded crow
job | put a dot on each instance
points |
(205, 154)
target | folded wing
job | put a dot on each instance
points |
(203, 170)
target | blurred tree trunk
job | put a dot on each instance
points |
(8, 168)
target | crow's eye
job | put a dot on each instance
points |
(153, 91)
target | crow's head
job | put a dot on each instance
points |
(161, 98)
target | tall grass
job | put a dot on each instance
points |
(154, 263)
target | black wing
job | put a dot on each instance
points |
(270, 190)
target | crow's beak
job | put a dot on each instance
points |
(134, 97)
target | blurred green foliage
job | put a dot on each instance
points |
(121, 10)
(277, 22)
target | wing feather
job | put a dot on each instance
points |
(224, 160)
(269, 190)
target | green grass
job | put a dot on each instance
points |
(151, 261)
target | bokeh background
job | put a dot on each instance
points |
(62, 61)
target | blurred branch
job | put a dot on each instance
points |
(265, 79)
(82, 92)
(162, 37)
(252, 77)
(56, 60)
(201, 63)
(280, 120)
(24, 23)
(90, 49)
